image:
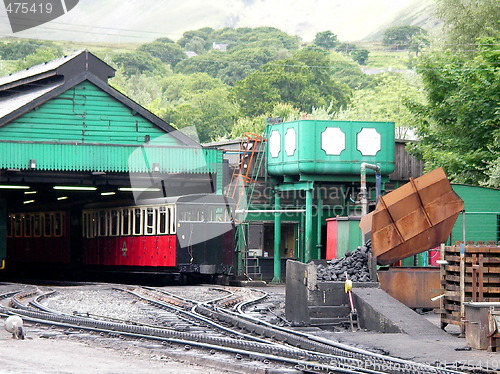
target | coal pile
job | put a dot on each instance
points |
(355, 263)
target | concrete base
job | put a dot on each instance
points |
(312, 303)
(378, 311)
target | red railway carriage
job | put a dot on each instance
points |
(186, 234)
(38, 237)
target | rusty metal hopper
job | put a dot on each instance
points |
(413, 218)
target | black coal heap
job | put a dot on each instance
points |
(355, 263)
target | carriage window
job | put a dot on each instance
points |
(126, 222)
(114, 220)
(37, 225)
(211, 214)
(162, 227)
(18, 226)
(192, 213)
(84, 225)
(172, 219)
(9, 226)
(138, 221)
(28, 225)
(48, 221)
(150, 221)
(58, 224)
(102, 224)
(220, 214)
(94, 220)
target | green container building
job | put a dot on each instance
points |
(325, 148)
(482, 214)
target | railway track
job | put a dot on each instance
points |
(218, 323)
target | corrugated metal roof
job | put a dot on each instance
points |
(12, 103)
(108, 158)
(38, 69)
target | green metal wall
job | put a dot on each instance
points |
(84, 114)
(482, 207)
(85, 129)
(320, 148)
(349, 236)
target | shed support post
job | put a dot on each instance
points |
(277, 239)
(319, 225)
(240, 249)
(309, 225)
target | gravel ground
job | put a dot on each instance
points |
(54, 356)
(52, 351)
(55, 352)
(198, 293)
(103, 301)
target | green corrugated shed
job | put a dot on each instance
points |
(85, 129)
(482, 217)
(85, 114)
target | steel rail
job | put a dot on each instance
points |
(218, 326)
(211, 322)
(348, 348)
(303, 342)
(348, 357)
(246, 347)
(329, 368)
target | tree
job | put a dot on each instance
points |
(326, 39)
(197, 45)
(400, 37)
(39, 57)
(304, 81)
(230, 66)
(418, 43)
(257, 125)
(459, 124)
(164, 40)
(204, 34)
(468, 20)
(344, 70)
(384, 99)
(197, 100)
(140, 62)
(19, 50)
(170, 53)
(209, 63)
(360, 56)
(142, 88)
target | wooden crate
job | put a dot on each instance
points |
(471, 273)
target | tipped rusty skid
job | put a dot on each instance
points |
(413, 218)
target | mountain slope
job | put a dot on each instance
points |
(139, 21)
(418, 13)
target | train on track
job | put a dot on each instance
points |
(191, 235)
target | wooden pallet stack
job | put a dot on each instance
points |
(470, 272)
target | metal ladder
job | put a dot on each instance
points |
(241, 189)
(244, 178)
